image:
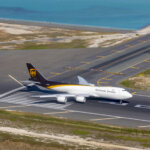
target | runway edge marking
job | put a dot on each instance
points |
(127, 118)
(101, 119)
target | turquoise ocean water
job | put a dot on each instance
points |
(124, 14)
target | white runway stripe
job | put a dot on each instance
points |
(143, 106)
(24, 98)
(13, 98)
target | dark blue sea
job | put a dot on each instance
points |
(124, 14)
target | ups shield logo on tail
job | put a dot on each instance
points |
(33, 73)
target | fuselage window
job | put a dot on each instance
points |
(111, 91)
(100, 90)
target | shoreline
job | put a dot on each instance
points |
(64, 26)
(15, 34)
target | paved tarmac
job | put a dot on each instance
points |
(102, 66)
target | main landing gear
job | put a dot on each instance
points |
(121, 101)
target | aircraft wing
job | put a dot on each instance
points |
(62, 98)
(60, 95)
(82, 81)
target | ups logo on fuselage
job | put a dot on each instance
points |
(33, 73)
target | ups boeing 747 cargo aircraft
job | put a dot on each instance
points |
(79, 91)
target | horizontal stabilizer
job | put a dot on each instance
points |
(29, 82)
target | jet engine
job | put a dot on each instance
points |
(81, 99)
(61, 99)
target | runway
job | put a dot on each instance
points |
(133, 113)
(102, 66)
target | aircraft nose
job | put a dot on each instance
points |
(129, 95)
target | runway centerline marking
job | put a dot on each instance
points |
(101, 119)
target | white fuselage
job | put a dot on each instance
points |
(94, 91)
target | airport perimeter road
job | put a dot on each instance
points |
(104, 66)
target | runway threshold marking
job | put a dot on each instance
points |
(101, 119)
(60, 112)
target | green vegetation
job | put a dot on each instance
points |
(146, 72)
(53, 45)
(47, 37)
(129, 84)
(15, 142)
(140, 81)
(82, 133)
(44, 123)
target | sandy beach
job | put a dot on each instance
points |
(17, 34)
(65, 26)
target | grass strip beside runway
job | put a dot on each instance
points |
(140, 81)
(45, 124)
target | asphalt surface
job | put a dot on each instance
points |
(102, 66)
